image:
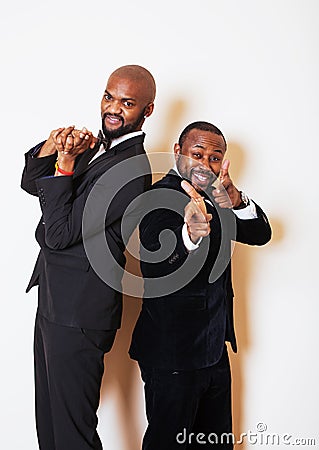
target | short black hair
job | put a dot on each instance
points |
(200, 125)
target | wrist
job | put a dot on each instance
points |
(188, 243)
(64, 167)
(47, 149)
(243, 201)
(194, 239)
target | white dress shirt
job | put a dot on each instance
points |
(116, 141)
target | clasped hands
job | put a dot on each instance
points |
(68, 141)
(226, 195)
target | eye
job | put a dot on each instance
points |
(128, 103)
(107, 97)
(214, 159)
(197, 155)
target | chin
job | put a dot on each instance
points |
(200, 187)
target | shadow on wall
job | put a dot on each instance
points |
(172, 128)
(242, 265)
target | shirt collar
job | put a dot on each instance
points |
(176, 170)
(116, 141)
(123, 138)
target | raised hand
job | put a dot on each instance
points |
(64, 140)
(82, 140)
(195, 214)
(226, 195)
(73, 142)
(49, 147)
(69, 143)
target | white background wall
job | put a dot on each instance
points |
(250, 67)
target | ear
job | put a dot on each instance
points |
(177, 150)
(148, 110)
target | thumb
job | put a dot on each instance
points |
(224, 170)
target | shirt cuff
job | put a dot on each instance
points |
(247, 213)
(190, 246)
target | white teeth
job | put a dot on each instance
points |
(200, 177)
(113, 119)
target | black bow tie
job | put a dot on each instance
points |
(84, 159)
(106, 142)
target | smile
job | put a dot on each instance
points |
(201, 177)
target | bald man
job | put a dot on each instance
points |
(78, 313)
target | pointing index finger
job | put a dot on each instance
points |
(195, 196)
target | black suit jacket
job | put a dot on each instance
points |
(187, 329)
(70, 292)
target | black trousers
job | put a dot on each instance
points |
(69, 365)
(188, 409)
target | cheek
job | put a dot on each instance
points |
(185, 166)
(103, 105)
(216, 168)
(129, 116)
(191, 164)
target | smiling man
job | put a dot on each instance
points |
(78, 314)
(179, 338)
(203, 154)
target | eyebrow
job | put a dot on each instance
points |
(216, 150)
(124, 98)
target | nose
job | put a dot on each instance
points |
(113, 107)
(206, 163)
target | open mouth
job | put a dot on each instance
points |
(113, 120)
(201, 179)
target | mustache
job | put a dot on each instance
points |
(113, 115)
(212, 177)
(201, 171)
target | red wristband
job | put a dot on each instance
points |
(61, 171)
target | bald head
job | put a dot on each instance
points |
(139, 75)
(127, 101)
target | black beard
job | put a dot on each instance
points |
(123, 129)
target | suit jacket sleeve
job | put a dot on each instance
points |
(254, 231)
(35, 168)
(172, 245)
(63, 206)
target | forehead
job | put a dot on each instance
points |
(205, 140)
(125, 87)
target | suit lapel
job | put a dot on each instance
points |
(83, 161)
(84, 166)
